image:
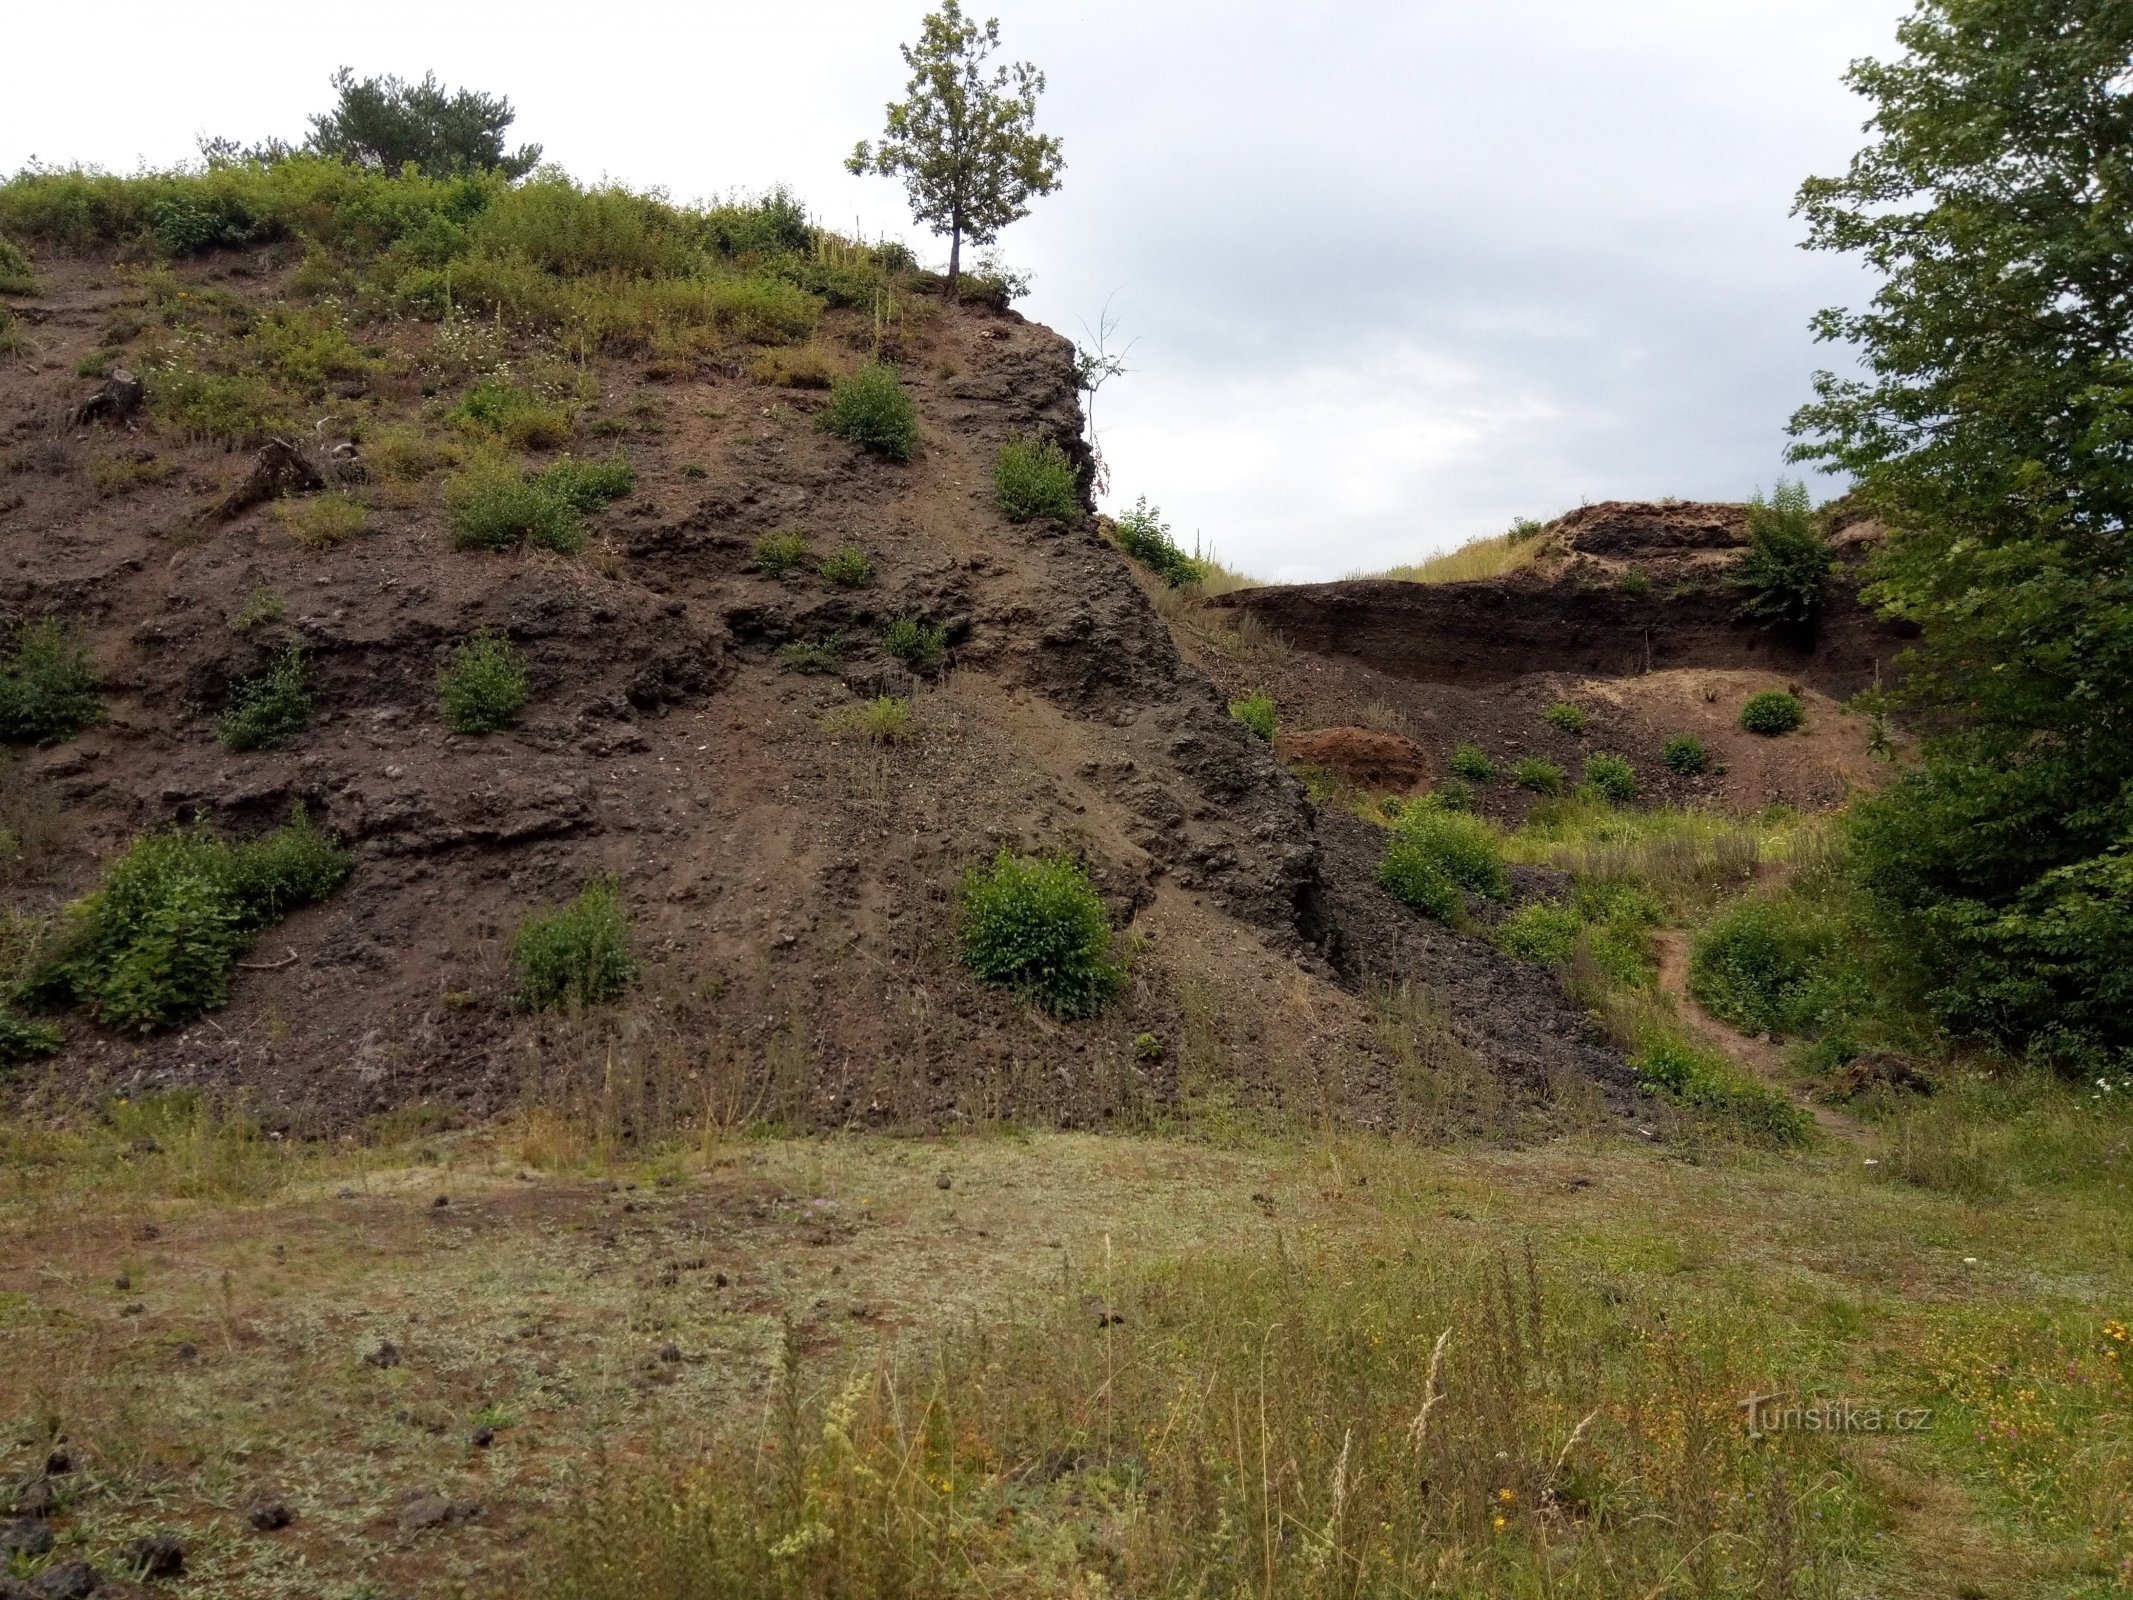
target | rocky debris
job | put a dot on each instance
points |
(118, 401)
(1102, 1310)
(1629, 528)
(279, 468)
(69, 1580)
(1883, 1067)
(422, 1512)
(154, 1555)
(27, 1537)
(37, 1498)
(1383, 763)
(269, 1516)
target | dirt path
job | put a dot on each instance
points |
(1756, 1055)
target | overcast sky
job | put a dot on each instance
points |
(1395, 273)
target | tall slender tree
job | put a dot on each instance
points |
(965, 142)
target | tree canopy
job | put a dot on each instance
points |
(965, 142)
(1992, 430)
(384, 123)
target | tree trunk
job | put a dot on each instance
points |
(955, 259)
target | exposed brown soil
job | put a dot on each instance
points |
(791, 888)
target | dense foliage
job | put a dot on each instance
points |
(48, 686)
(1771, 712)
(268, 708)
(386, 123)
(483, 687)
(1145, 536)
(1036, 924)
(871, 410)
(1990, 432)
(1781, 575)
(1034, 478)
(576, 955)
(1435, 855)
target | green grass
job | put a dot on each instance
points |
(1434, 854)
(515, 415)
(871, 409)
(227, 408)
(484, 686)
(153, 947)
(811, 656)
(1541, 777)
(16, 275)
(1779, 963)
(263, 604)
(1611, 777)
(1702, 1078)
(1257, 712)
(848, 566)
(265, 710)
(1471, 762)
(1036, 924)
(1490, 556)
(320, 521)
(48, 687)
(575, 956)
(1034, 478)
(885, 719)
(922, 647)
(587, 486)
(495, 506)
(1565, 717)
(1771, 713)
(777, 553)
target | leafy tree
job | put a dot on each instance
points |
(965, 142)
(1990, 431)
(1780, 576)
(385, 123)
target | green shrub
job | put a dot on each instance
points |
(586, 486)
(494, 506)
(1703, 1078)
(871, 410)
(1545, 931)
(1777, 964)
(238, 408)
(23, 1040)
(154, 945)
(1685, 754)
(809, 655)
(1771, 713)
(1434, 854)
(1781, 575)
(918, 646)
(1470, 762)
(1035, 478)
(1634, 582)
(15, 274)
(577, 955)
(778, 553)
(848, 565)
(1145, 536)
(1037, 925)
(1565, 716)
(1449, 795)
(268, 708)
(1542, 777)
(518, 416)
(484, 686)
(48, 688)
(1258, 713)
(885, 719)
(1611, 776)
(263, 604)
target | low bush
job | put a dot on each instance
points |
(586, 486)
(154, 945)
(484, 686)
(807, 367)
(1612, 922)
(1541, 777)
(576, 955)
(48, 687)
(1451, 794)
(1781, 576)
(778, 553)
(517, 416)
(262, 605)
(1685, 755)
(239, 408)
(494, 506)
(1471, 762)
(871, 409)
(320, 521)
(920, 647)
(1565, 717)
(1544, 932)
(404, 454)
(1145, 536)
(15, 274)
(268, 708)
(848, 566)
(1258, 713)
(1611, 777)
(1034, 478)
(809, 655)
(1777, 964)
(1771, 713)
(1037, 925)
(1703, 1078)
(23, 1040)
(1436, 853)
(885, 719)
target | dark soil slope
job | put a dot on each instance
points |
(790, 881)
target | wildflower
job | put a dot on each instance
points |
(1507, 1496)
(1499, 1524)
